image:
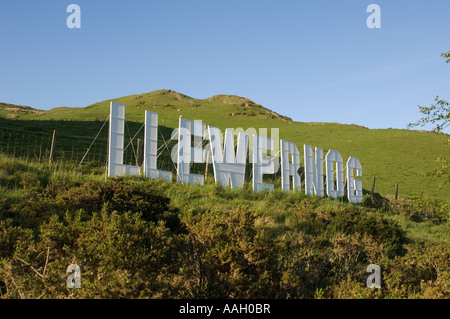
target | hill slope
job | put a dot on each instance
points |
(391, 155)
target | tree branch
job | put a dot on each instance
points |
(37, 272)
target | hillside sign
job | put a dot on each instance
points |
(229, 165)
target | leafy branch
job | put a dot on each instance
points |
(446, 55)
(437, 114)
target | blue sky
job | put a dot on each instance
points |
(310, 60)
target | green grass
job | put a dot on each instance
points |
(424, 231)
(391, 155)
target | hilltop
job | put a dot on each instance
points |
(391, 155)
(12, 111)
(168, 103)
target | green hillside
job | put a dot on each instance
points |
(139, 238)
(391, 155)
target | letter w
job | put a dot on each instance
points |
(228, 167)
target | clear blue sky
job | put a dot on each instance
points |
(310, 60)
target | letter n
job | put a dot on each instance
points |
(313, 171)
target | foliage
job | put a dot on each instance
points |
(225, 255)
(437, 114)
(59, 197)
(121, 256)
(422, 273)
(137, 238)
(441, 171)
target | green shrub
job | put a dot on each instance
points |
(313, 219)
(59, 197)
(421, 273)
(224, 255)
(120, 256)
(422, 208)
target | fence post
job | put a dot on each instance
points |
(207, 165)
(396, 191)
(50, 160)
(373, 187)
(345, 188)
(138, 152)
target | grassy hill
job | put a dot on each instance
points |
(391, 155)
(140, 238)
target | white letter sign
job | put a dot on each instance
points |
(332, 190)
(261, 166)
(313, 171)
(288, 169)
(229, 160)
(116, 141)
(354, 186)
(151, 148)
(228, 167)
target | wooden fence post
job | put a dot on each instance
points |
(207, 164)
(52, 148)
(396, 191)
(373, 187)
(138, 152)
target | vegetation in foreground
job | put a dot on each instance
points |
(138, 238)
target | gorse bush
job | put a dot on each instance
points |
(345, 219)
(137, 238)
(121, 256)
(227, 256)
(59, 197)
(422, 208)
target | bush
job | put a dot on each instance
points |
(224, 255)
(313, 219)
(422, 208)
(420, 273)
(59, 197)
(120, 256)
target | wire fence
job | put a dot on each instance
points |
(36, 146)
(85, 145)
(81, 145)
